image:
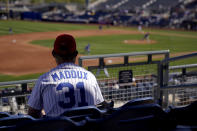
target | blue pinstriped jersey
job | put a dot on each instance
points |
(66, 86)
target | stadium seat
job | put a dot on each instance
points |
(185, 128)
(78, 114)
(15, 119)
(184, 115)
(50, 124)
(4, 114)
(5, 101)
(135, 117)
(139, 101)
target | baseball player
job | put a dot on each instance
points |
(65, 86)
(10, 31)
(87, 48)
(146, 37)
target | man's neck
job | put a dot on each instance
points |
(65, 61)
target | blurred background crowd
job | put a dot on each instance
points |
(176, 14)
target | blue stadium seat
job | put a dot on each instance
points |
(9, 122)
(139, 117)
(14, 120)
(50, 124)
(4, 114)
(185, 128)
(78, 114)
(184, 115)
(139, 101)
(5, 101)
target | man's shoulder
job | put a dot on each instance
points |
(44, 77)
(79, 68)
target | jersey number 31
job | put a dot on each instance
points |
(71, 95)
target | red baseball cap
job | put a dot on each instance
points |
(65, 45)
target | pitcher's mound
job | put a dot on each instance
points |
(135, 42)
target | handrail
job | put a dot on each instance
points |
(182, 66)
(179, 57)
(126, 54)
(17, 82)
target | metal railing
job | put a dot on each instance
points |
(180, 87)
(143, 66)
(14, 95)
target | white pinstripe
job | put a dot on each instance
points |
(47, 94)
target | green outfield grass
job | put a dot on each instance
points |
(115, 44)
(29, 27)
(22, 77)
(103, 44)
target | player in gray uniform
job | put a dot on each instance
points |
(66, 86)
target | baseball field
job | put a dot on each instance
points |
(25, 46)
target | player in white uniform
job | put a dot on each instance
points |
(66, 86)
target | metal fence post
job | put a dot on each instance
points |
(158, 94)
(80, 62)
(126, 60)
(101, 62)
(166, 69)
(1, 105)
(163, 76)
(149, 58)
